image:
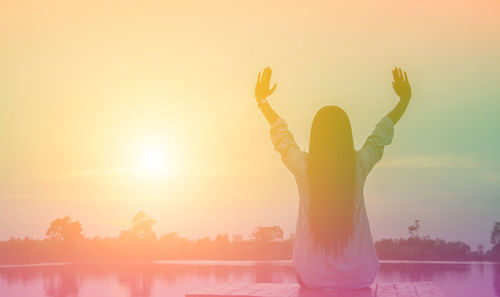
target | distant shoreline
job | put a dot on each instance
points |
(66, 243)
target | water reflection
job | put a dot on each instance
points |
(138, 281)
(60, 283)
(174, 279)
(496, 281)
(424, 272)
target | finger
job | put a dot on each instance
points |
(395, 74)
(400, 74)
(258, 78)
(394, 85)
(264, 75)
(406, 77)
(274, 88)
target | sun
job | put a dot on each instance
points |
(155, 161)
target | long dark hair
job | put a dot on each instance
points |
(331, 177)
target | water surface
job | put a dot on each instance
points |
(174, 278)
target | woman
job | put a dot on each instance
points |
(333, 247)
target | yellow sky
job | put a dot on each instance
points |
(86, 86)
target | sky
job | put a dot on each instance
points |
(110, 108)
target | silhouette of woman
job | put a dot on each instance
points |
(333, 247)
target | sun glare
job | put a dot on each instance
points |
(155, 162)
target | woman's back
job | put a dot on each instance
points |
(333, 247)
(357, 265)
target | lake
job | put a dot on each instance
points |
(174, 278)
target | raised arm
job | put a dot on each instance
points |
(402, 88)
(262, 91)
(282, 138)
(373, 149)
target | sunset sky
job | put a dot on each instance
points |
(109, 109)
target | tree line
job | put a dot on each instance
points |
(66, 242)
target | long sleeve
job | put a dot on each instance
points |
(373, 149)
(291, 155)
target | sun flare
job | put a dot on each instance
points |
(155, 161)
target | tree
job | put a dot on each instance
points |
(65, 230)
(222, 240)
(142, 226)
(267, 234)
(495, 234)
(480, 249)
(237, 238)
(495, 241)
(414, 229)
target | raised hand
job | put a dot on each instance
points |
(262, 90)
(402, 88)
(400, 84)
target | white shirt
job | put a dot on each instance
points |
(358, 264)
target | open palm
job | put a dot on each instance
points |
(400, 84)
(262, 90)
